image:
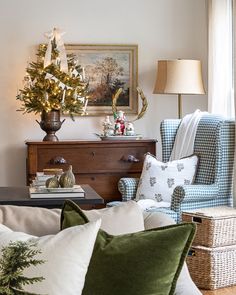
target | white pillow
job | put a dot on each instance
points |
(158, 180)
(119, 220)
(66, 257)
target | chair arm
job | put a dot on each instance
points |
(193, 193)
(127, 186)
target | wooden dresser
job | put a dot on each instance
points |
(97, 163)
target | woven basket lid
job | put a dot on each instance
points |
(213, 212)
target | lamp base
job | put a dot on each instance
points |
(179, 106)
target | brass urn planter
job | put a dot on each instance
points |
(50, 123)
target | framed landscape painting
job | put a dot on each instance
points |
(108, 68)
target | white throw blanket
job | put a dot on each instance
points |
(185, 137)
(148, 203)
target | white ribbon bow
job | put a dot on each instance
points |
(57, 35)
(61, 85)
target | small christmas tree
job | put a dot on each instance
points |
(16, 257)
(54, 81)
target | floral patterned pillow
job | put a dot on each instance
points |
(158, 180)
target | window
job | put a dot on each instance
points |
(220, 57)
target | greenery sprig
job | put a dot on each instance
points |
(16, 257)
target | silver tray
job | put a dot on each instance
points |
(44, 189)
(120, 137)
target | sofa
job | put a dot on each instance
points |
(40, 222)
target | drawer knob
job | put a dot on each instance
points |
(58, 160)
(130, 159)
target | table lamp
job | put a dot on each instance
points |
(180, 76)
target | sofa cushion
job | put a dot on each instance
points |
(58, 263)
(32, 220)
(146, 262)
(158, 180)
(122, 219)
(41, 221)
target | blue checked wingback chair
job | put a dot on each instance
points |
(214, 144)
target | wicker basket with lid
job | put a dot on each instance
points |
(216, 226)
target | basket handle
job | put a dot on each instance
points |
(191, 253)
(196, 219)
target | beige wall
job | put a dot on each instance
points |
(161, 28)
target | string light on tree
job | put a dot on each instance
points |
(52, 81)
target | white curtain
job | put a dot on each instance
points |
(220, 58)
(234, 84)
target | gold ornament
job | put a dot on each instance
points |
(114, 100)
(144, 104)
(143, 98)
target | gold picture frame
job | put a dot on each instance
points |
(108, 68)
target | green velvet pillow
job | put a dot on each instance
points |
(142, 263)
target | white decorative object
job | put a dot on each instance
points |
(158, 180)
(119, 131)
(83, 73)
(56, 35)
(66, 255)
(85, 107)
(129, 129)
(107, 127)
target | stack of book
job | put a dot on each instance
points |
(43, 192)
(39, 190)
(40, 180)
(41, 177)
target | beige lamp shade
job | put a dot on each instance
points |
(179, 76)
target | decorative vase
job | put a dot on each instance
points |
(50, 123)
(67, 179)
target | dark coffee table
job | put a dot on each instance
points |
(20, 196)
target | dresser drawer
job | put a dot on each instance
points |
(101, 159)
